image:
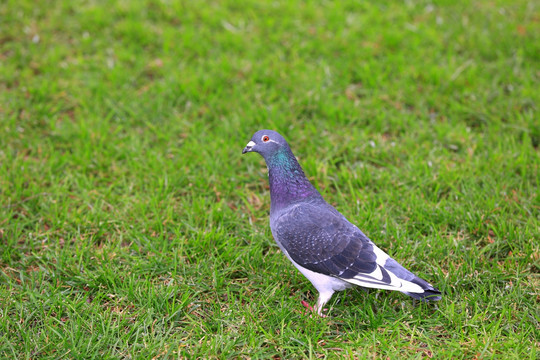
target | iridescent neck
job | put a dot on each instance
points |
(288, 183)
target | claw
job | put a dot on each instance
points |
(312, 309)
(307, 306)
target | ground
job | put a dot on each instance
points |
(132, 227)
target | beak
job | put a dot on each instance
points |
(248, 147)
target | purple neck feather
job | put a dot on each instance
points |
(288, 183)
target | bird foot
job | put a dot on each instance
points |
(312, 309)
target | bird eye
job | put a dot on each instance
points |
(265, 138)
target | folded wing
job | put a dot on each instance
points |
(319, 238)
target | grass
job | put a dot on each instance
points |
(132, 227)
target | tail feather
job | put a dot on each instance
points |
(430, 293)
(427, 295)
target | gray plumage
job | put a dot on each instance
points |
(325, 247)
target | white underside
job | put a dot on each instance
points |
(327, 285)
(323, 283)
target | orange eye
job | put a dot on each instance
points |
(265, 138)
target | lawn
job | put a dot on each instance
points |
(132, 227)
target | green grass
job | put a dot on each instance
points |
(132, 227)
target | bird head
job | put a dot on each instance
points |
(266, 143)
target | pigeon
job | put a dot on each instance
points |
(331, 252)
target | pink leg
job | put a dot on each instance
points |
(312, 309)
(307, 306)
